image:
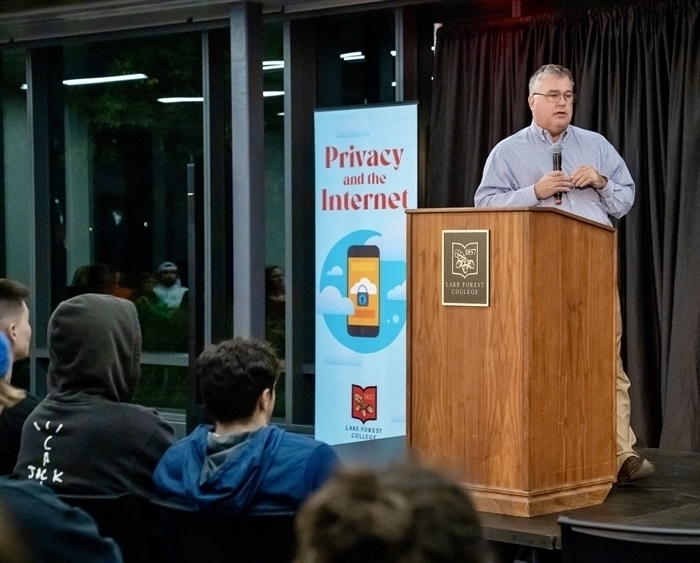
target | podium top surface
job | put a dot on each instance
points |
(429, 210)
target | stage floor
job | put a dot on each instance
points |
(670, 498)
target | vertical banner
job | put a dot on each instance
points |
(366, 177)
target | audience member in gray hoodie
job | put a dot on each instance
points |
(85, 437)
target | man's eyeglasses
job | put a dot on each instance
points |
(554, 97)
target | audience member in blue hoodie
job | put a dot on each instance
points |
(242, 463)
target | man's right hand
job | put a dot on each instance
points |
(552, 183)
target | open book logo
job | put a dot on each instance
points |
(465, 259)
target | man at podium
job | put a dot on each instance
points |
(553, 163)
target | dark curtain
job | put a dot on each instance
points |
(637, 74)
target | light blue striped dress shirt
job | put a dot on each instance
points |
(516, 163)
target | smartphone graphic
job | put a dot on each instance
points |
(363, 290)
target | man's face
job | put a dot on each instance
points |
(277, 277)
(168, 277)
(552, 116)
(20, 334)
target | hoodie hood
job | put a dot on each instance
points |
(94, 347)
(230, 485)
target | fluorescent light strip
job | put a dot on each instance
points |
(273, 65)
(353, 54)
(182, 99)
(177, 100)
(355, 58)
(103, 79)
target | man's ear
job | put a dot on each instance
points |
(265, 398)
(11, 332)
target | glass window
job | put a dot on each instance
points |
(132, 126)
(356, 54)
(273, 85)
(16, 175)
(15, 181)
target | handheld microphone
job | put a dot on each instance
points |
(556, 165)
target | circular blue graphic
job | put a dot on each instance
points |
(392, 311)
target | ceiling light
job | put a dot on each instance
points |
(177, 100)
(281, 113)
(273, 65)
(355, 58)
(393, 53)
(23, 87)
(103, 79)
(271, 93)
(352, 54)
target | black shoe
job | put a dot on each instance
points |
(633, 469)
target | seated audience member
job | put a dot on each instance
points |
(36, 527)
(275, 308)
(169, 289)
(405, 514)
(115, 287)
(15, 404)
(163, 329)
(97, 278)
(243, 463)
(84, 437)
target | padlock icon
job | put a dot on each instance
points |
(362, 296)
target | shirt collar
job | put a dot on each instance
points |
(546, 136)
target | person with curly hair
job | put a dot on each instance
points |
(242, 463)
(404, 514)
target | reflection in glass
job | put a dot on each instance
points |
(15, 181)
(15, 176)
(126, 157)
(273, 81)
(275, 308)
(356, 55)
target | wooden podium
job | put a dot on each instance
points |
(516, 399)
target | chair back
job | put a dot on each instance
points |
(584, 541)
(194, 536)
(131, 521)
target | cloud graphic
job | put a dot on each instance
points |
(330, 302)
(392, 243)
(369, 286)
(398, 293)
(335, 271)
(343, 358)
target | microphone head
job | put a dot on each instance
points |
(556, 148)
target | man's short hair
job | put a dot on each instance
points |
(549, 70)
(406, 514)
(233, 374)
(12, 296)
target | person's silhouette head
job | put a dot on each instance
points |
(406, 514)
